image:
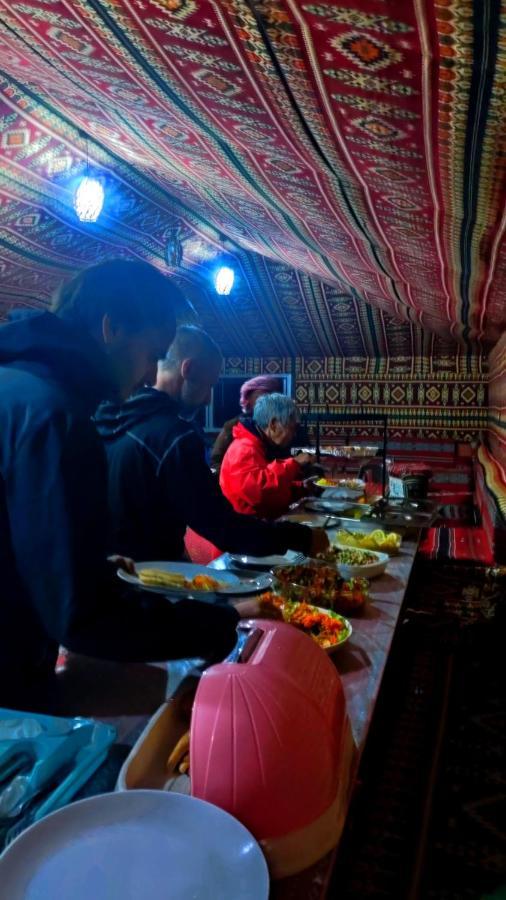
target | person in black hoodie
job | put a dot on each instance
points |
(159, 481)
(109, 327)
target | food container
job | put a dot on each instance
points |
(270, 743)
(332, 594)
(373, 539)
(409, 481)
(328, 629)
(342, 488)
(369, 570)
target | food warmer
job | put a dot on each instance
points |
(269, 742)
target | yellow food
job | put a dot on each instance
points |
(155, 577)
(161, 578)
(374, 540)
(180, 757)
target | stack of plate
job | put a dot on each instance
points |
(138, 844)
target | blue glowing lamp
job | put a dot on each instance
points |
(89, 199)
(224, 280)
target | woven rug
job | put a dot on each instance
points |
(419, 830)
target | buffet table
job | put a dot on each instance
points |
(134, 692)
(361, 663)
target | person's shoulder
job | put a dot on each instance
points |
(23, 389)
(164, 435)
(241, 450)
(229, 424)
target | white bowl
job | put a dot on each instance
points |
(370, 571)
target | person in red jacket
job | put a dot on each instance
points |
(251, 477)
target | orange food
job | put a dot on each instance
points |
(327, 629)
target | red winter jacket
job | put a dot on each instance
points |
(253, 485)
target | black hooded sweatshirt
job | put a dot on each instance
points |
(160, 483)
(55, 584)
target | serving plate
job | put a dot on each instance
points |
(344, 635)
(313, 521)
(230, 584)
(290, 558)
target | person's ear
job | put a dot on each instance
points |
(187, 369)
(109, 330)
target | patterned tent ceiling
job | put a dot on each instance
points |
(357, 146)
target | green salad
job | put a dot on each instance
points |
(350, 557)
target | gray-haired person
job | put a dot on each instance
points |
(252, 478)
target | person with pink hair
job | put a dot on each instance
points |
(250, 392)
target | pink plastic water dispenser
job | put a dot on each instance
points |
(270, 743)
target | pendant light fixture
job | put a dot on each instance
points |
(224, 280)
(89, 194)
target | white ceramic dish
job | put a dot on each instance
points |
(373, 570)
(342, 491)
(302, 518)
(137, 844)
(265, 562)
(230, 583)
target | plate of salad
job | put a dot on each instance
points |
(351, 562)
(318, 582)
(327, 628)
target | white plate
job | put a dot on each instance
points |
(302, 518)
(267, 562)
(233, 584)
(332, 507)
(132, 845)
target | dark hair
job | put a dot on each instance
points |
(134, 294)
(190, 342)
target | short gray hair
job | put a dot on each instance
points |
(274, 406)
(190, 342)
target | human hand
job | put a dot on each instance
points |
(249, 609)
(123, 562)
(304, 459)
(319, 542)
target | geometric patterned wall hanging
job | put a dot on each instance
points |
(441, 398)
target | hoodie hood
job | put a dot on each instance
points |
(44, 344)
(115, 419)
(246, 427)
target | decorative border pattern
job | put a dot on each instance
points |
(436, 399)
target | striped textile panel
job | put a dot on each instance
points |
(497, 402)
(492, 475)
(459, 544)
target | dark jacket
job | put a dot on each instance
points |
(160, 484)
(222, 443)
(56, 585)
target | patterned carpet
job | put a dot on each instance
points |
(428, 820)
